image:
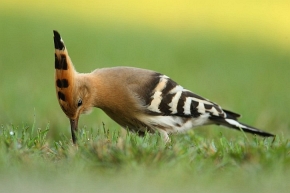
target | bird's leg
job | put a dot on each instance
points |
(164, 136)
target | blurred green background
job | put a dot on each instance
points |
(235, 53)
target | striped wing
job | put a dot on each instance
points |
(169, 98)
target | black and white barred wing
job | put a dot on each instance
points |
(180, 109)
(169, 98)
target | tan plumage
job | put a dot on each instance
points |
(138, 99)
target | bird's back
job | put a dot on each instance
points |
(146, 100)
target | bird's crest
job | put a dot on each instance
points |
(64, 75)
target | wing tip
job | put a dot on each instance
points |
(232, 115)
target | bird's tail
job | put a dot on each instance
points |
(235, 124)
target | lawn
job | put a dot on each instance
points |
(237, 57)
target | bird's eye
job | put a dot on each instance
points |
(80, 102)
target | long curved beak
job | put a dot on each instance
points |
(74, 128)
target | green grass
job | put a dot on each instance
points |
(111, 160)
(36, 154)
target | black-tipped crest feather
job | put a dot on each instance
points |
(58, 43)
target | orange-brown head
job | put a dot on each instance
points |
(72, 89)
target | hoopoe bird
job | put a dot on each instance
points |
(137, 99)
